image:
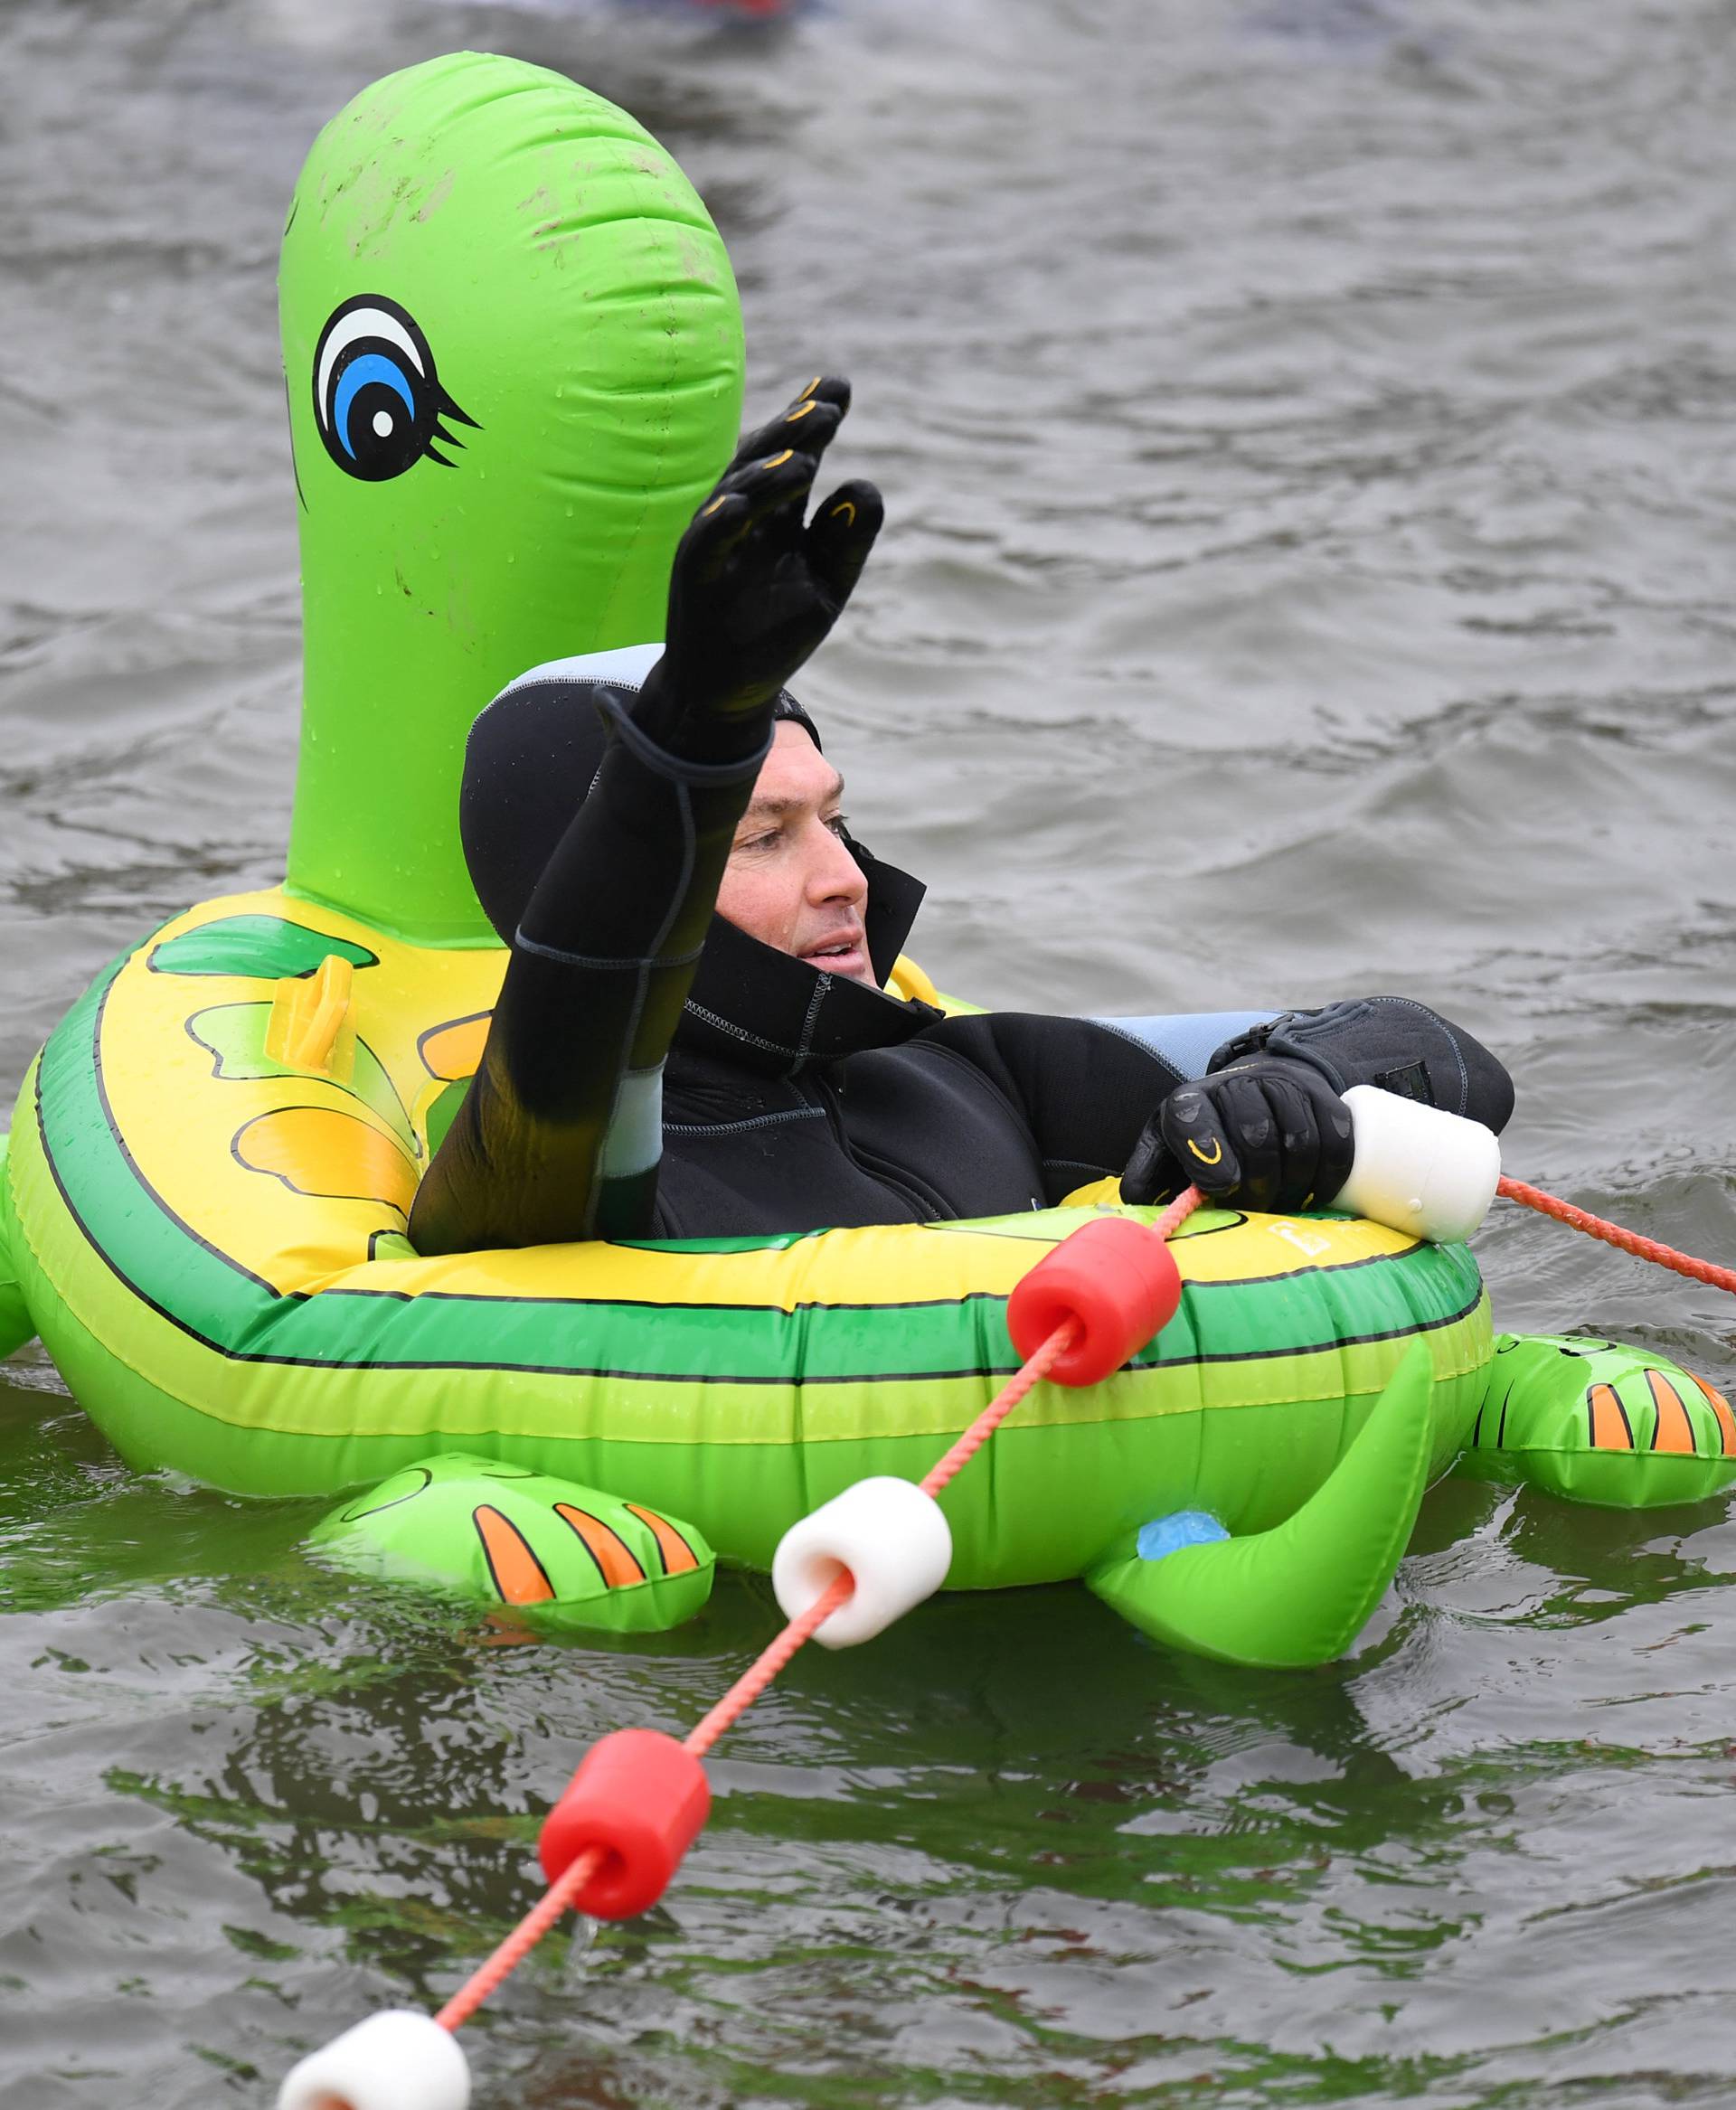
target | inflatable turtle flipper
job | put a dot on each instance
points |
(16, 1325)
(1597, 1422)
(551, 1553)
(1300, 1593)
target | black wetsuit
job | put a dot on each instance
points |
(791, 1099)
(837, 1104)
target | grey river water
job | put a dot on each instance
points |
(1309, 435)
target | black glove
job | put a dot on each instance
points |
(754, 588)
(1269, 1133)
(1270, 1105)
(1391, 1041)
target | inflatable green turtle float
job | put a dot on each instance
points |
(513, 357)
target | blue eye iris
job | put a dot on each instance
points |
(377, 399)
(372, 369)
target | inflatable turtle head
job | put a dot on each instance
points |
(513, 353)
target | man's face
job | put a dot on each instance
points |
(790, 883)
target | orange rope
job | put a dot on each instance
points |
(523, 1938)
(1612, 1234)
(1178, 1214)
(754, 1681)
(1040, 1364)
(772, 1659)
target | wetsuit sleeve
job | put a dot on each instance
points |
(1087, 1089)
(1084, 1089)
(560, 1134)
(1188, 1040)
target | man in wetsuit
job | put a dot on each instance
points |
(692, 1037)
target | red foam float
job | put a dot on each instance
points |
(641, 1796)
(1115, 1278)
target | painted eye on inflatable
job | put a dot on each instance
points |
(377, 399)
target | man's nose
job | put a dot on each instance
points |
(836, 876)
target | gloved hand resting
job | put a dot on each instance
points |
(1269, 1133)
(1266, 1127)
(754, 588)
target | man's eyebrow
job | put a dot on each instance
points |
(778, 809)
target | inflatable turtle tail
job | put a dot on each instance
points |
(1300, 1593)
(542, 1553)
(1594, 1421)
(17, 1326)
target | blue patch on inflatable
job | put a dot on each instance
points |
(1182, 1527)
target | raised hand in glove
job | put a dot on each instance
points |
(755, 586)
(1268, 1133)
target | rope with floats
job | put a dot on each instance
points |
(612, 1843)
(1126, 1282)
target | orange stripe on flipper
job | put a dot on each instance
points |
(1675, 1431)
(1611, 1430)
(678, 1556)
(518, 1575)
(615, 1559)
(1726, 1421)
